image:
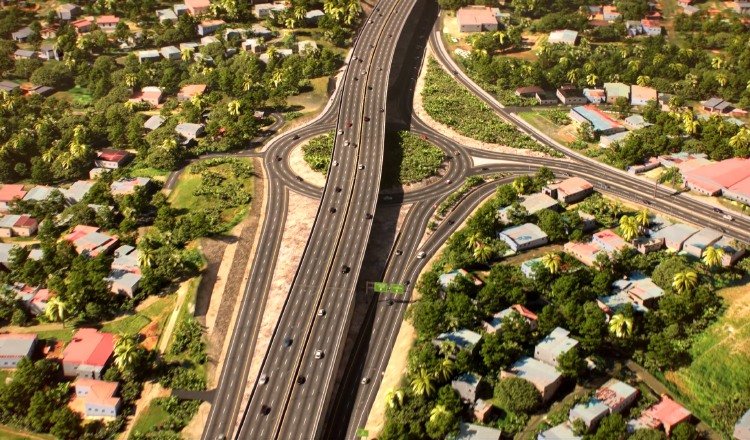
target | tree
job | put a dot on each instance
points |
(127, 352)
(621, 326)
(642, 218)
(66, 424)
(685, 281)
(394, 398)
(628, 227)
(552, 261)
(422, 384)
(684, 431)
(441, 422)
(622, 106)
(713, 256)
(648, 434)
(497, 353)
(551, 222)
(517, 395)
(672, 176)
(445, 369)
(612, 427)
(523, 184)
(56, 310)
(571, 364)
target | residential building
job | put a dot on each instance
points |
(742, 427)
(640, 95)
(633, 27)
(190, 90)
(468, 386)
(197, 7)
(733, 250)
(208, 27)
(148, 55)
(610, 13)
(637, 290)
(190, 46)
(33, 298)
(570, 95)
(77, 191)
(595, 96)
(616, 90)
(99, 397)
(89, 241)
(123, 187)
(533, 203)
(476, 19)
(254, 45)
(68, 11)
(523, 237)
(9, 86)
(189, 131)
(10, 193)
(307, 46)
(636, 122)
(484, 411)
(88, 353)
(528, 92)
(565, 36)
(154, 122)
(589, 412)
(586, 253)
(496, 322)
(546, 98)
(39, 193)
(447, 278)
(464, 339)
(529, 267)
(589, 221)
(112, 159)
(730, 177)
(107, 23)
(165, 15)
(23, 54)
(205, 41)
(170, 52)
(150, 94)
(5, 250)
(562, 431)
(667, 414)
(646, 245)
(82, 26)
(648, 165)
(180, 9)
(122, 282)
(606, 141)
(554, 345)
(265, 10)
(18, 226)
(49, 32)
(651, 28)
(22, 34)
(741, 7)
(470, 431)
(617, 395)
(545, 378)
(608, 241)
(312, 17)
(717, 105)
(698, 242)
(675, 235)
(570, 190)
(600, 122)
(14, 347)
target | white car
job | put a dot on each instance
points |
(340, 131)
(319, 354)
(421, 255)
(321, 312)
(727, 217)
(263, 379)
(361, 167)
(335, 163)
(346, 142)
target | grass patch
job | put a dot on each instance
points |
(133, 324)
(9, 433)
(449, 103)
(312, 99)
(78, 96)
(63, 335)
(144, 171)
(409, 159)
(721, 356)
(317, 153)
(151, 418)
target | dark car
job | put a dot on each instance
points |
(265, 410)
(367, 119)
(337, 189)
(299, 178)
(332, 210)
(287, 342)
(718, 211)
(368, 216)
(345, 269)
(301, 379)
(295, 137)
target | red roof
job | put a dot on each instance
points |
(89, 347)
(25, 221)
(523, 311)
(668, 412)
(197, 3)
(107, 19)
(10, 192)
(80, 231)
(722, 174)
(81, 23)
(99, 391)
(112, 155)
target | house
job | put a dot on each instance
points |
(476, 19)
(88, 353)
(570, 190)
(463, 339)
(606, 141)
(22, 34)
(446, 279)
(633, 27)
(589, 221)
(68, 11)
(496, 322)
(484, 411)
(197, 7)
(10, 193)
(616, 90)
(636, 122)
(9, 86)
(153, 122)
(468, 386)
(122, 282)
(254, 45)
(565, 36)
(190, 46)
(553, 346)
(698, 242)
(637, 290)
(170, 52)
(640, 95)
(307, 46)
(717, 105)
(87, 240)
(610, 13)
(570, 95)
(651, 28)
(563, 431)
(34, 298)
(149, 94)
(77, 191)
(18, 226)
(128, 186)
(732, 251)
(646, 245)
(107, 23)
(39, 193)
(648, 165)
(49, 32)
(470, 431)
(589, 412)
(586, 253)
(98, 397)
(741, 7)
(112, 159)
(545, 378)
(82, 26)
(533, 203)
(667, 414)
(730, 177)
(189, 131)
(148, 55)
(14, 347)
(40, 90)
(208, 27)
(265, 10)
(205, 41)
(675, 235)
(180, 9)
(742, 427)
(313, 16)
(165, 15)
(23, 54)
(546, 98)
(528, 92)
(600, 122)
(608, 241)
(523, 237)
(190, 90)
(595, 96)
(617, 395)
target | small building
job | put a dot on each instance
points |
(18, 226)
(123, 187)
(616, 90)
(651, 28)
(154, 122)
(675, 235)
(570, 190)
(640, 95)
(68, 11)
(87, 240)
(447, 278)
(107, 23)
(180, 9)
(112, 159)
(554, 345)
(33, 298)
(586, 253)
(98, 396)
(14, 347)
(545, 378)
(189, 91)
(637, 290)
(589, 412)
(476, 19)
(150, 94)
(307, 46)
(742, 427)
(470, 431)
(484, 411)
(698, 242)
(528, 92)
(636, 122)
(732, 251)
(22, 34)
(667, 414)
(741, 7)
(600, 122)
(595, 96)
(617, 395)
(717, 105)
(82, 26)
(253, 45)
(205, 41)
(197, 7)
(23, 54)
(608, 241)
(565, 36)
(646, 245)
(265, 10)
(570, 95)
(464, 339)
(533, 203)
(166, 15)
(648, 165)
(122, 282)
(562, 431)
(88, 353)
(77, 191)
(39, 193)
(190, 46)
(610, 13)
(606, 141)
(523, 237)
(208, 27)
(546, 98)
(9, 86)
(189, 131)
(10, 193)
(529, 267)
(468, 386)
(313, 16)
(496, 322)
(170, 52)
(148, 55)
(633, 28)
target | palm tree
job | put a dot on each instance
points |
(394, 398)
(447, 348)
(689, 123)
(186, 54)
(643, 80)
(483, 253)
(722, 78)
(621, 326)
(713, 256)
(126, 352)
(642, 218)
(234, 107)
(741, 140)
(474, 240)
(56, 310)
(685, 281)
(628, 227)
(422, 384)
(445, 369)
(552, 261)
(592, 79)
(438, 412)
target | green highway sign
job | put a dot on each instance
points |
(362, 432)
(398, 289)
(380, 287)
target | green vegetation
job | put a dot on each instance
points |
(451, 104)
(130, 325)
(317, 153)
(409, 159)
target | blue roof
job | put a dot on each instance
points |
(597, 119)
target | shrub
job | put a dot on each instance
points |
(517, 395)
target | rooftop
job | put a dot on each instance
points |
(14, 345)
(89, 347)
(470, 431)
(476, 15)
(463, 338)
(599, 120)
(524, 233)
(100, 392)
(535, 371)
(565, 36)
(11, 192)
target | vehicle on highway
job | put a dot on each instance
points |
(263, 379)
(335, 163)
(448, 182)
(365, 380)
(349, 124)
(295, 137)
(345, 269)
(368, 216)
(367, 119)
(387, 198)
(727, 217)
(288, 342)
(485, 169)
(382, 109)
(360, 167)
(319, 354)
(421, 255)
(265, 410)
(299, 178)
(399, 252)
(450, 221)
(321, 312)
(332, 210)
(718, 211)
(389, 302)
(337, 189)
(369, 87)
(301, 379)
(340, 131)
(457, 153)
(278, 158)
(364, 72)
(346, 142)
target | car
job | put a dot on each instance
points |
(455, 72)
(321, 312)
(332, 210)
(361, 167)
(423, 136)
(399, 252)
(345, 268)
(371, 22)
(382, 109)
(361, 60)
(646, 202)
(365, 380)
(421, 255)
(299, 178)
(288, 342)
(718, 211)
(364, 72)
(349, 124)
(278, 158)
(457, 153)
(335, 163)
(340, 131)
(448, 182)
(356, 79)
(221, 437)
(346, 142)
(380, 69)
(263, 379)
(387, 198)
(354, 57)
(367, 119)
(450, 221)
(485, 169)
(369, 87)
(727, 217)
(319, 354)
(389, 302)
(295, 137)
(368, 216)
(301, 379)
(407, 282)
(265, 410)
(337, 189)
